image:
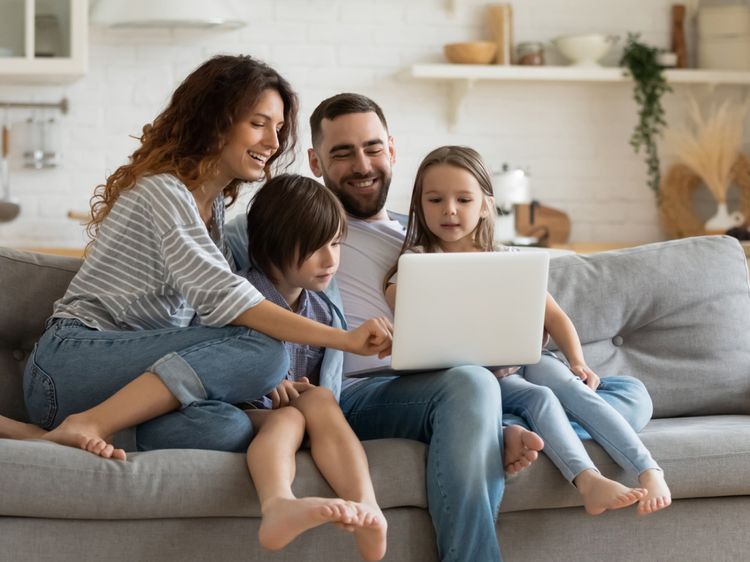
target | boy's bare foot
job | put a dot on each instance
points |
(75, 431)
(659, 495)
(284, 519)
(600, 493)
(370, 533)
(521, 448)
(12, 429)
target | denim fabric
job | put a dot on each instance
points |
(74, 368)
(547, 393)
(627, 395)
(457, 412)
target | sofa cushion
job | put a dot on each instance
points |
(675, 314)
(707, 456)
(42, 479)
(30, 284)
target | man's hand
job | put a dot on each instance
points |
(588, 376)
(373, 336)
(287, 391)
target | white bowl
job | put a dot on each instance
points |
(584, 50)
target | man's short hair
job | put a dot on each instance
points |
(341, 104)
(289, 219)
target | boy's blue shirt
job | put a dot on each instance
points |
(332, 366)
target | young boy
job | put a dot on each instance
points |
(295, 226)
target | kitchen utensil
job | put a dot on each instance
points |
(42, 146)
(474, 52)
(679, 46)
(535, 218)
(511, 188)
(500, 20)
(9, 209)
(584, 50)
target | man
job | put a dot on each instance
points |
(456, 412)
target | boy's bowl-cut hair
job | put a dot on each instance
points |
(290, 218)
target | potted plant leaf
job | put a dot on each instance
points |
(650, 85)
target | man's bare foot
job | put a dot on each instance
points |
(521, 448)
(12, 429)
(370, 532)
(600, 493)
(75, 431)
(284, 519)
(659, 495)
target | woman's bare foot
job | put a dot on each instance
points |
(284, 519)
(600, 493)
(76, 431)
(370, 532)
(659, 495)
(12, 429)
(521, 448)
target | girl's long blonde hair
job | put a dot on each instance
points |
(186, 139)
(417, 232)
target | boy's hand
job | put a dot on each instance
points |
(373, 336)
(287, 391)
(588, 376)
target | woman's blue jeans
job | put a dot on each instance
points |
(74, 368)
(547, 394)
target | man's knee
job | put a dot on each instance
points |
(472, 390)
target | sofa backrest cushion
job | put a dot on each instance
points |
(29, 284)
(674, 314)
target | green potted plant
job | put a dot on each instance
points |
(650, 85)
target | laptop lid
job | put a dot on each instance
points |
(477, 308)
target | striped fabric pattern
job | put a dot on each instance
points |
(154, 264)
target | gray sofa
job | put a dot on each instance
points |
(674, 314)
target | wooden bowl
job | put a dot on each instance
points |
(473, 52)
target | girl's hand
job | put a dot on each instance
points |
(588, 376)
(373, 336)
(287, 391)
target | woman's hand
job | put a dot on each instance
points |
(373, 336)
(287, 391)
(588, 376)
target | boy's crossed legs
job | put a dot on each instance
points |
(339, 456)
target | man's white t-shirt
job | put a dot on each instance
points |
(370, 249)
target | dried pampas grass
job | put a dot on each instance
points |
(709, 146)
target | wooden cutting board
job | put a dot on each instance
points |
(556, 222)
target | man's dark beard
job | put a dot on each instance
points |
(357, 208)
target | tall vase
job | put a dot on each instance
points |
(723, 220)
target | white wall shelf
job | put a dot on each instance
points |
(463, 77)
(20, 23)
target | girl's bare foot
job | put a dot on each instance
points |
(659, 495)
(521, 448)
(370, 533)
(600, 493)
(76, 431)
(12, 429)
(284, 519)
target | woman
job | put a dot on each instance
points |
(155, 330)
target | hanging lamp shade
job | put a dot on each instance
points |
(134, 14)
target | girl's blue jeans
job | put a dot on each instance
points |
(547, 393)
(74, 368)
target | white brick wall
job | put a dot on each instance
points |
(573, 137)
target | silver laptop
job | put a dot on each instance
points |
(482, 308)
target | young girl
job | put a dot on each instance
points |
(156, 330)
(295, 226)
(452, 211)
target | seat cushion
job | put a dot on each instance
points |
(42, 479)
(706, 456)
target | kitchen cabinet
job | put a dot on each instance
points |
(463, 77)
(43, 41)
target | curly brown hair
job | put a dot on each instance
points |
(186, 139)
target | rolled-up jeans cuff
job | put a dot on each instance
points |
(180, 378)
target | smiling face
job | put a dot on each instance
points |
(252, 140)
(453, 204)
(354, 156)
